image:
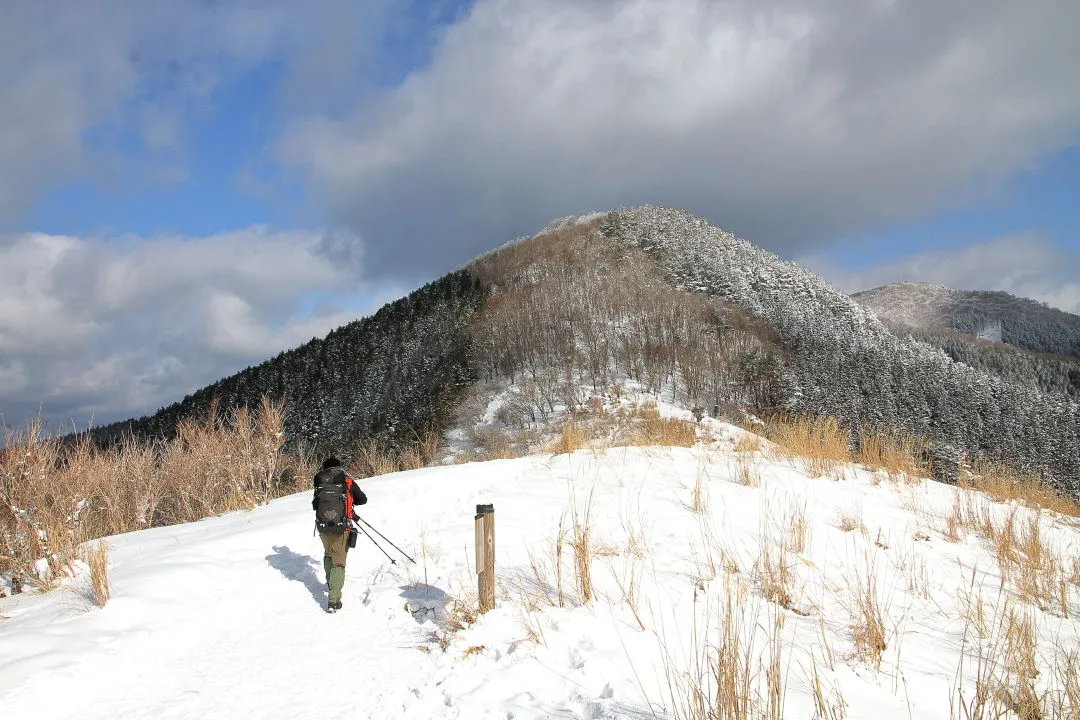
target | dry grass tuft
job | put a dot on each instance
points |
(1006, 670)
(746, 471)
(629, 590)
(581, 544)
(1064, 700)
(831, 707)
(955, 522)
(572, 436)
(798, 529)
(1007, 486)
(868, 627)
(912, 564)
(699, 497)
(895, 453)
(819, 443)
(851, 520)
(1038, 576)
(775, 575)
(748, 442)
(646, 410)
(96, 557)
(727, 676)
(661, 431)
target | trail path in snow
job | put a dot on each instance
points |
(224, 618)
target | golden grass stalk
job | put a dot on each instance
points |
(572, 436)
(775, 575)
(892, 451)
(746, 471)
(1007, 486)
(581, 544)
(868, 625)
(96, 557)
(661, 431)
(819, 443)
(798, 529)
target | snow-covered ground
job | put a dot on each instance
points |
(224, 618)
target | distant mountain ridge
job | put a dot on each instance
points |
(987, 314)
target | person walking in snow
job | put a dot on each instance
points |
(335, 495)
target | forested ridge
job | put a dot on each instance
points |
(391, 376)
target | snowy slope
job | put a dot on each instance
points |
(223, 618)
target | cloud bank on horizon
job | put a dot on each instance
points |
(421, 134)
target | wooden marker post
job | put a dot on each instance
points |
(485, 556)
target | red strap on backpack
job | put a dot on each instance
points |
(348, 497)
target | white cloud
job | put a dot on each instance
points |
(147, 70)
(788, 122)
(122, 326)
(1025, 265)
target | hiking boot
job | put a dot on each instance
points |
(332, 607)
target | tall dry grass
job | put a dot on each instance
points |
(1009, 486)
(660, 431)
(373, 458)
(96, 557)
(581, 542)
(727, 675)
(1036, 573)
(1005, 672)
(894, 452)
(55, 496)
(868, 628)
(820, 444)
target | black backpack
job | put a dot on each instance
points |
(330, 501)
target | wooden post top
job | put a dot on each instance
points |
(485, 509)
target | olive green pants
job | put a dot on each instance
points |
(335, 550)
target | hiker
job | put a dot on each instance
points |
(335, 494)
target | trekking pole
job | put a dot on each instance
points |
(392, 560)
(387, 540)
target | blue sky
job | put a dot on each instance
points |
(193, 186)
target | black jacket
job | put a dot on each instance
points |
(358, 496)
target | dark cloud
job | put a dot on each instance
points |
(790, 123)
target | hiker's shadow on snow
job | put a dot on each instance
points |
(425, 602)
(301, 568)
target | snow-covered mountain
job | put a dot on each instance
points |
(988, 315)
(843, 362)
(659, 297)
(789, 596)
